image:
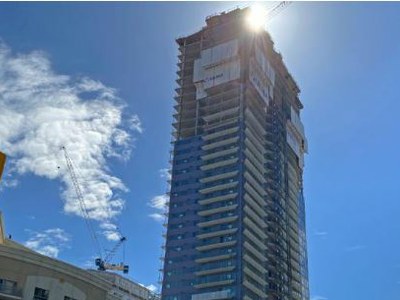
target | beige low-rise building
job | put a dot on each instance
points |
(125, 289)
(28, 275)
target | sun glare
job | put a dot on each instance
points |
(256, 17)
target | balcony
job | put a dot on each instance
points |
(218, 199)
(220, 133)
(247, 233)
(254, 289)
(216, 233)
(219, 164)
(256, 141)
(217, 210)
(254, 251)
(218, 221)
(214, 284)
(254, 183)
(214, 271)
(219, 295)
(257, 151)
(221, 114)
(254, 221)
(218, 177)
(254, 276)
(257, 265)
(254, 195)
(256, 159)
(256, 171)
(208, 259)
(254, 122)
(254, 205)
(215, 246)
(220, 143)
(216, 154)
(218, 187)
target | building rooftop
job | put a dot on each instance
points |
(238, 14)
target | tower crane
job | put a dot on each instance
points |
(258, 16)
(277, 9)
(102, 264)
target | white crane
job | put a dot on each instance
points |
(102, 264)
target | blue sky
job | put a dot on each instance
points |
(344, 56)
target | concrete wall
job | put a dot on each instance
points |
(57, 288)
(31, 270)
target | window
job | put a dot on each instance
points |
(40, 294)
(7, 286)
(7, 283)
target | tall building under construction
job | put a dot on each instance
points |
(236, 220)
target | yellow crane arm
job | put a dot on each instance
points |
(2, 163)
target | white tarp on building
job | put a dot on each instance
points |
(295, 144)
(265, 65)
(295, 118)
(259, 81)
(220, 53)
(216, 65)
(295, 136)
(262, 75)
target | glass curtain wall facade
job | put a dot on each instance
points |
(236, 220)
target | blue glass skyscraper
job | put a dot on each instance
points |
(236, 221)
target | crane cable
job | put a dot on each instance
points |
(107, 253)
(277, 9)
(82, 205)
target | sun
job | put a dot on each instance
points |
(256, 17)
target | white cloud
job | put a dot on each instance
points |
(157, 217)
(112, 235)
(318, 298)
(355, 248)
(321, 234)
(111, 231)
(159, 202)
(41, 111)
(165, 174)
(108, 226)
(48, 242)
(135, 124)
(9, 183)
(152, 288)
(88, 263)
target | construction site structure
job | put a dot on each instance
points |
(236, 219)
(104, 265)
